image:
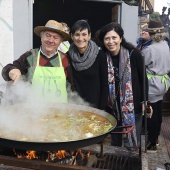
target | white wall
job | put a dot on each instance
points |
(15, 31)
(6, 35)
(6, 31)
(22, 21)
(130, 22)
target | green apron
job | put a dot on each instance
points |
(164, 77)
(49, 83)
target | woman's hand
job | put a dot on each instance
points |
(15, 75)
(149, 110)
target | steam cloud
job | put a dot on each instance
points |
(21, 111)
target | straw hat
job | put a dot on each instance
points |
(54, 26)
(155, 26)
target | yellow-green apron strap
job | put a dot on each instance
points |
(164, 80)
(60, 59)
(149, 75)
(38, 58)
(165, 77)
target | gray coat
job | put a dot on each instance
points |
(157, 61)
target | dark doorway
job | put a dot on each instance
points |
(96, 13)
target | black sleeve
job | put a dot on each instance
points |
(141, 80)
(20, 64)
(103, 80)
(70, 74)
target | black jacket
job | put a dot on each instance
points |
(92, 83)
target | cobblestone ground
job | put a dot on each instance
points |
(153, 161)
(157, 160)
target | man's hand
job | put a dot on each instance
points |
(15, 75)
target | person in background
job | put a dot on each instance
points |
(167, 39)
(144, 40)
(46, 68)
(157, 59)
(65, 45)
(125, 79)
(89, 66)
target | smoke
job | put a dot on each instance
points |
(74, 98)
(20, 120)
(22, 92)
(22, 111)
(17, 93)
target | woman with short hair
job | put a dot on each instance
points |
(89, 66)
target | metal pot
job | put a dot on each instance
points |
(50, 146)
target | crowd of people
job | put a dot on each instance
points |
(107, 72)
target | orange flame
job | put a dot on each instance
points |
(31, 154)
(61, 154)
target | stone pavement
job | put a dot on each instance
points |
(157, 160)
(153, 161)
(160, 158)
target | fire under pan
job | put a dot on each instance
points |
(106, 162)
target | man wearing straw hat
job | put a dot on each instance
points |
(45, 68)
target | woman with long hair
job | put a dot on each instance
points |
(126, 82)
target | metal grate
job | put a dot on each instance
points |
(118, 162)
